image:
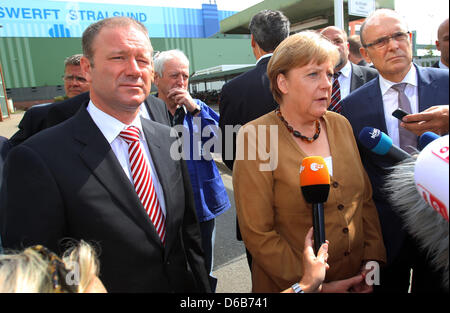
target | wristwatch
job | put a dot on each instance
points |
(297, 289)
(196, 111)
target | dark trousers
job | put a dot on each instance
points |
(208, 231)
(396, 276)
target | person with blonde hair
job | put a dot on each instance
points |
(38, 270)
(272, 212)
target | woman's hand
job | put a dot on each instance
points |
(315, 267)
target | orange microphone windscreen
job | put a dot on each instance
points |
(314, 171)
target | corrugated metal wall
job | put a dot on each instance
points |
(36, 62)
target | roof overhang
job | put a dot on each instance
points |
(303, 14)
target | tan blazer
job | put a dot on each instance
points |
(274, 217)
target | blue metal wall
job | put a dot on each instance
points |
(43, 18)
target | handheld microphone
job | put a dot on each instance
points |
(431, 175)
(425, 139)
(380, 143)
(315, 185)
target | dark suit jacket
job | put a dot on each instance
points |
(242, 100)
(361, 75)
(5, 145)
(33, 121)
(76, 188)
(364, 107)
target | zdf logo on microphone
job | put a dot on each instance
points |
(313, 166)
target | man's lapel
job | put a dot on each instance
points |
(426, 89)
(100, 158)
(375, 107)
(356, 79)
(169, 174)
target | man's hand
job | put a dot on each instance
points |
(434, 119)
(182, 97)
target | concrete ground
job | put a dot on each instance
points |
(9, 125)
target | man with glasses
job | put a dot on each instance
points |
(74, 79)
(401, 84)
(34, 119)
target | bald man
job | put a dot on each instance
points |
(442, 45)
(387, 44)
(350, 76)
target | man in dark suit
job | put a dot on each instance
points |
(82, 180)
(248, 96)
(34, 119)
(442, 45)
(387, 43)
(350, 76)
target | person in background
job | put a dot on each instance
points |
(273, 215)
(442, 45)
(38, 270)
(74, 79)
(354, 56)
(248, 96)
(35, 118)
(192, 117)
(108, 175)
(347, 76)
(422, 92)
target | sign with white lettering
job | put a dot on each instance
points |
(361, 7)
(45, 18)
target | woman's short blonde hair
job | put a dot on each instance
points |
(37, 270)
(299, 50)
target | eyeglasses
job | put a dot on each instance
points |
(72, 78)
(383, 41)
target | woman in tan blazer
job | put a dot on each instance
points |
(273, 215)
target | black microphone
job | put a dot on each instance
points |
(380, 143)
(315, 185)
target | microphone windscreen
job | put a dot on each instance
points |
(426, 138)
(431, 175)
(375, 140)
(314, 179)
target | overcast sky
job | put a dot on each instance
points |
(424, 16)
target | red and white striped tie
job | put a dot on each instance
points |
(335, 104)
(142, 179)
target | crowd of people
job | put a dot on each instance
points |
(117, 168)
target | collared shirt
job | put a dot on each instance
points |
(442, 65)
(345, 79)
(111, 128)
(268, 55)
(390, 101)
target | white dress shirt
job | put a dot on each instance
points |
(442, 65)
(390, 101)
(268, 55)
(111, 128)
(345, 79)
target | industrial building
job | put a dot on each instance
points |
(35, 39)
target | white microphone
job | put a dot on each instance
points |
(417, 189)
(431, 175)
